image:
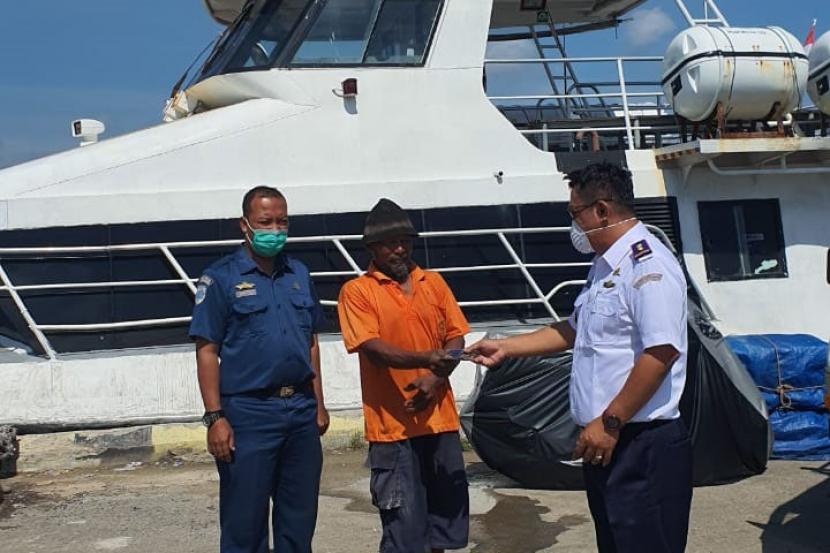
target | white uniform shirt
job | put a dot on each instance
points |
(635, 298)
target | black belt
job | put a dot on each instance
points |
(633, 429)
(640, 426)
(284, 392)
(649, 424)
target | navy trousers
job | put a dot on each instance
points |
(641, 501)
(278, 459)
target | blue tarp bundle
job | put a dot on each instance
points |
(789, 370)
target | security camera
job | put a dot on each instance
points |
(87, 130)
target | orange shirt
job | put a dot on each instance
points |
(375, 306)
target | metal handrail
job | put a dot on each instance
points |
(166, 249)
(718, 19)
(116, 247)
(595, 95)
(595, 129)
(540, 297)
(118, 325)
(622, 93)
(575, 60)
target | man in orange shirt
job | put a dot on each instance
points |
(403, 321)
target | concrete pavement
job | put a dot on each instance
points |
(170, 505)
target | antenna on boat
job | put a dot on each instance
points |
(716, 16)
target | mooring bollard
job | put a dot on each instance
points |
(9, 451)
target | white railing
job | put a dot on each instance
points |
(539, 297)
(630, 102)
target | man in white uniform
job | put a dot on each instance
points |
(629, 339)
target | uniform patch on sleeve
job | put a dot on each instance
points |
(645, 279)
(206, 280)
(641, 250)
(201, 293)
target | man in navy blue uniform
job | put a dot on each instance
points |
(257, 310)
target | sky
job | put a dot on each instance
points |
(117, 60)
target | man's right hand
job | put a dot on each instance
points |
(441, 364)
(490, 353)
(220, 442)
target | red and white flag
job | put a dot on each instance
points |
(811, 37)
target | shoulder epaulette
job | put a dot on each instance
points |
(641, 251)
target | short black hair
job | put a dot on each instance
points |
(601, 181)
(258, 192)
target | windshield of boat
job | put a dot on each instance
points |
(369, 32)
(315, 33)
(256, 38)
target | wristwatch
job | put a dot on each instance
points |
(611, 422)
(211, 417)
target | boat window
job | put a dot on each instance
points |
(340, 34)
(402, 33)
(373, 32)
(268, 35)
(742, 240)
(257, 37)
(313, 33)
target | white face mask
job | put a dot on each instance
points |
(579, 237)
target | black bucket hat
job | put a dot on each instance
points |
(387, 220)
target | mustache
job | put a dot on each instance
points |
(395, 258)
(398, 265)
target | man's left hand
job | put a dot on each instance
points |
(322, 419)
(424, 388)
(596, 444)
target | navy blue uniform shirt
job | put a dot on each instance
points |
(263, 324)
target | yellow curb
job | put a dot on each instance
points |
(178, 438)
(346, 424)
(69, 450)
(343, 432)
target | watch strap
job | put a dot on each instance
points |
(210, 417)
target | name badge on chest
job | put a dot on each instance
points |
(244, 289)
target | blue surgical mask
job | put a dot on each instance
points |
(267, 243)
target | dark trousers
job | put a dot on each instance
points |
(278, 459)
(641, 501)
(420, 489)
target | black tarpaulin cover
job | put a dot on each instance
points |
(518, 420)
